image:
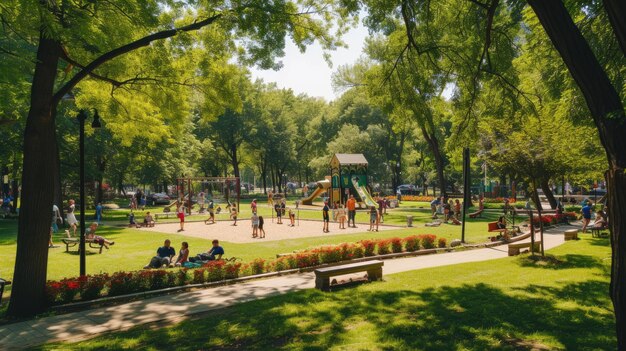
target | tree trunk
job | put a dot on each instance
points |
(616, 11)
(433, 143)
(15, 190)
(233, 159)
(535, 196)
(607, 111)
(547, 191)
(40, 162)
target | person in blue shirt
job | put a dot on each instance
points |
(163, 257)
(433, 207)
(586, 211)
(98, 213)
(215, 253)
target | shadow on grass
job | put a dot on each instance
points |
(469, 317)
(566, 261)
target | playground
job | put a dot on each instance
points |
(225, 231)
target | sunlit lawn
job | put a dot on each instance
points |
(508, 304)
(135, 247)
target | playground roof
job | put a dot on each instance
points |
(351, 159)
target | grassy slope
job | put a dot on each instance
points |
(505, 304)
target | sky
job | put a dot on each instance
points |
(308, 72)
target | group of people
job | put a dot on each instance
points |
(165, 256)
(450, 209)
(347, 213)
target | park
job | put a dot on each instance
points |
(313, 175)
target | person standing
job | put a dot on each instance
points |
(341, 216)
(279, 216)
(326, 217)
(98, 212)
(255, 225)
(586, 212)
(211, 213)
(56, 217)
(253, 205)
(180, 213)
(381, 208)
(433, 207)
(373, 218)
(270, 199)
(457, 209)
(233, 214)
(261, 230)
(71, 218)
(201, 198)
(351, 204)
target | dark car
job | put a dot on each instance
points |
(407, 189)
(597, 192)
(158, 199)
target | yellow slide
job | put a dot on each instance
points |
(363, 193)
(322, 186)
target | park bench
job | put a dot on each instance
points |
(373, 268)
(492, 227)
(162, 215)
(71, 242)
(514, 248)
(3, 283)
(597, 232)
(478, 213)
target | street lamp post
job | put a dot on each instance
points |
(82, 116)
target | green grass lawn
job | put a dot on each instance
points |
(135, 247)
(514, 303)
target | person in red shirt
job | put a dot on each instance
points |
(351, 205)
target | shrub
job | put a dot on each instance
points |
(215, 270)
(122, 283)
(368, 247)
(258, 266)
(182, 278)
(396, 245)
(63, 291)
(412, 243)
(232, 270)
(383, 246)
(358, 250)
(329, 254)
(347, 251)
(198, 275)
(428, 241)
(442, 242)
(307, 259)
(92, 286)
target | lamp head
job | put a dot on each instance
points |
(96, 120)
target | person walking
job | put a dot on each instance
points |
(586, 212)
(98, 212)
(71, 218)
(261, 230)
(180, 212)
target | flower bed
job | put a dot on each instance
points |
(122, 283)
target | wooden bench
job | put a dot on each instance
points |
(71, 242)
(570, 234)
(161, 215)
(3, 283)
(373, 268)
(478, 213)
(514, 248)
(597, 232)
(493, 227)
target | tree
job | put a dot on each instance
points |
(89, 38)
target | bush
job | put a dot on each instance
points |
(412, 243)
(123, 283)
(258, 266)
(92, 286)
(307, 259)
(215, 270)
(428, 241)
(368, 247)
(358, 250)
(63, 291)
(383, 246)
(198, 276)
(396, 245)
(231, 270)
(442, 242)
(347, 251)
(329, 254)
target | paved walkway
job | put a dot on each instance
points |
(90, 323)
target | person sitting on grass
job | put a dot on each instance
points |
(164, 255)
(131, 220)
(148, 221)
(215, 253)
(90, 234)
(183, 254)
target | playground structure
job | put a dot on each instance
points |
(348, 176)
(218, 189)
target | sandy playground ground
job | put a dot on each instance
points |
(242, 233)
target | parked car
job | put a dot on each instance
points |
(158, 199)
(407, 189)
(597, 192)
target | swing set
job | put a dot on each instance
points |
(221, 190)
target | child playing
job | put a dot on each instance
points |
(180, 212)
(261, 230)
(233, 214)
(292, 218)
(326, 217)
(279, 214)
(255, 225)
(341, 216)
(211, 213)
(373, 218)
